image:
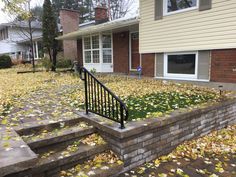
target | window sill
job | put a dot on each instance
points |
(183, 79)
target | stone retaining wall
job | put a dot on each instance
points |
(144, 141)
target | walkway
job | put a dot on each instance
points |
(50, 104)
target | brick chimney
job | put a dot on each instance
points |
(70, 22)
(101, 14)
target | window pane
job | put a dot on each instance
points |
(87, 43)
(181, 64)
(174, 5)
(106, 41)
(96, 56)
(87, 56)
(107, 56)
(95, 40)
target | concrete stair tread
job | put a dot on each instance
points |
(105, 172)
(103, 164)
(58, 159)
(65, 135)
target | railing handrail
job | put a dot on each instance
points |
(123, 115)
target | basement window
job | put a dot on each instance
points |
(181, 65)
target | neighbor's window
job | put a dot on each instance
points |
(181, 64)
(4, 33)
(172, 6)
(106, 48)
(91, 49)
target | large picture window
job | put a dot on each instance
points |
(181, 65)
(98, 49)
(175, 6)
(91, 49)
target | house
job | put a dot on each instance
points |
(182, 40)
(15, 40)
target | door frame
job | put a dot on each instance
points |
(130, 52)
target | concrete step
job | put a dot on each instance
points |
(53, 158)
(105, 164)
(52, 135)
(58, 161)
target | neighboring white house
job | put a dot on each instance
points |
(15, 39)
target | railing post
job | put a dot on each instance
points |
(100, 100)
(122, 126)
(86, 91)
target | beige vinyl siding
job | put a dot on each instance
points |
(160, 65)
(188, 31)
(204, 59)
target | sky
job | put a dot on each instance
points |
(4, 17)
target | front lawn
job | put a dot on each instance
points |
(147, 98)
(144, 97)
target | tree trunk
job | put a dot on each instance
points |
(31, 45)
(54, 59)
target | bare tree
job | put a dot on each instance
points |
(26, 26)
(118, 9)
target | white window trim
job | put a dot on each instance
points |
(166, 13)
(91, 48)
(107, 48)
(100, 49)
(180, 76)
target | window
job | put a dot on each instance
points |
(93, 49)
(106, 48)
(175, 6)
(181, 65)
(4, 33)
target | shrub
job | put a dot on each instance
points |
(93, 71)
(5, 61)
(64, 63)
(46, 63)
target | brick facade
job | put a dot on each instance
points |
(148, 64)
(121, 52)
(70, 22)
(223, 65)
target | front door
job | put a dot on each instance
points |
(135, 55)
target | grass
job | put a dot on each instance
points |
(144, 97)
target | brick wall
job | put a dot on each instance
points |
(146, 140)
(148, 64)
(121, 52)
(70, 22)
(223, 65)
(101, 14)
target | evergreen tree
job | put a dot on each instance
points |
(50, 32)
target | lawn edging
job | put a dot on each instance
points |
(145, 140)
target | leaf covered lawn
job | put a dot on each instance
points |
(144, 97)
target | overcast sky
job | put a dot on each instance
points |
(6, 17)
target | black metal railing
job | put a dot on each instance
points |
(102, 101)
